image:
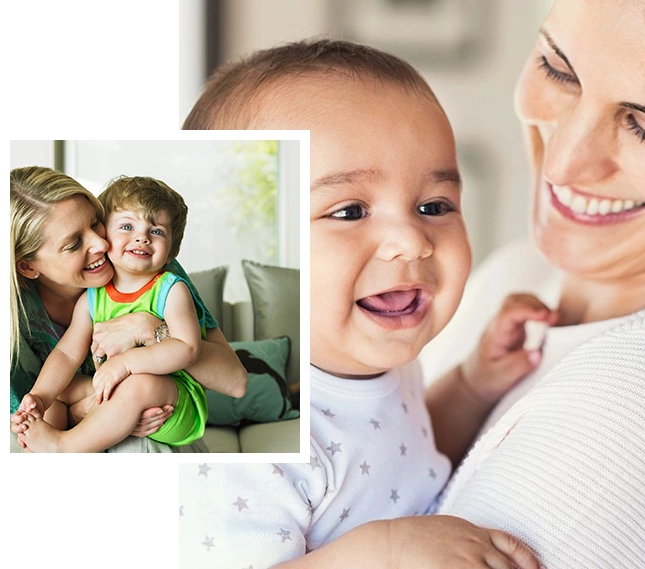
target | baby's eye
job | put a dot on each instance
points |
(126, 226)
(435, 208)
(156, 232)
(350, 213)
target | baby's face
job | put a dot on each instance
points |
(389, 249)
(136, 245)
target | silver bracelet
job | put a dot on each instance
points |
(162, 332)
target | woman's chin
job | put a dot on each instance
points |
(98, 278)
(559, 247)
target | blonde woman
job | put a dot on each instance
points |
(58, 250)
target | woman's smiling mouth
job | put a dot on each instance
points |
(96, 264)
(592, 210)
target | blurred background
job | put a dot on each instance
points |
(470, 51)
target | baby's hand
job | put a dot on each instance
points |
(500, 359)
(439, 542)
(107, 377)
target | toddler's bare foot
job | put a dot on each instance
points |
(40, 436)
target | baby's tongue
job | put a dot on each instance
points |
(389, 302)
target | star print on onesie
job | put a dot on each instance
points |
(372, 454)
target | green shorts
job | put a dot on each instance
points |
(188, 421)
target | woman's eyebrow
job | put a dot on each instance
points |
(633, 106)
(556, 49)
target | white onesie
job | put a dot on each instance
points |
(373, 457)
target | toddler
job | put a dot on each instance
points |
(145, 221)
(389, 260)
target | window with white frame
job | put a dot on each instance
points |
(242, 195)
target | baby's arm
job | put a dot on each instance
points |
(460, 400)
(173, 354)
(62, 363)
(428, 542)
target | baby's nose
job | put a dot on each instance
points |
(405, 241)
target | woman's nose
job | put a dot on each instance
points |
(405, 240)
(97, 243)
(581, 148)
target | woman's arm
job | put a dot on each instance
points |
(68, 355)
(218, 368)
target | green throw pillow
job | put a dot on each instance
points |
(267, 398)
(275, 296)
(210, 285)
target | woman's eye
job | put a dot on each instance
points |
(553, 74)
(349, 213)
(637, 129)
(435, 208)
(74, 246)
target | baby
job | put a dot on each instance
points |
(145, 221)
(389, 260)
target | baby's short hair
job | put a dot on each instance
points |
(149, 197)
(229, 99)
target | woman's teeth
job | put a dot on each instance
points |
(592, 206)
(96, 264)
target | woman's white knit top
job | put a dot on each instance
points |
(564, 468)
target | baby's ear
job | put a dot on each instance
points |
(25, 269)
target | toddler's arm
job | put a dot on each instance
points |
(173, 354)
(460, 400)
(62, 363)
(429, 542)
(217, 368)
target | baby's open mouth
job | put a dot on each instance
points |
(393, 303)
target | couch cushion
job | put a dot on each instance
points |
(267, 397)
(271, 437)
(210, 285)
(221, 439)
(275, 295)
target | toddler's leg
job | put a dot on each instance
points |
(108, 423)
(79, 388)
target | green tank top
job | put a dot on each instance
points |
(187, 423)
